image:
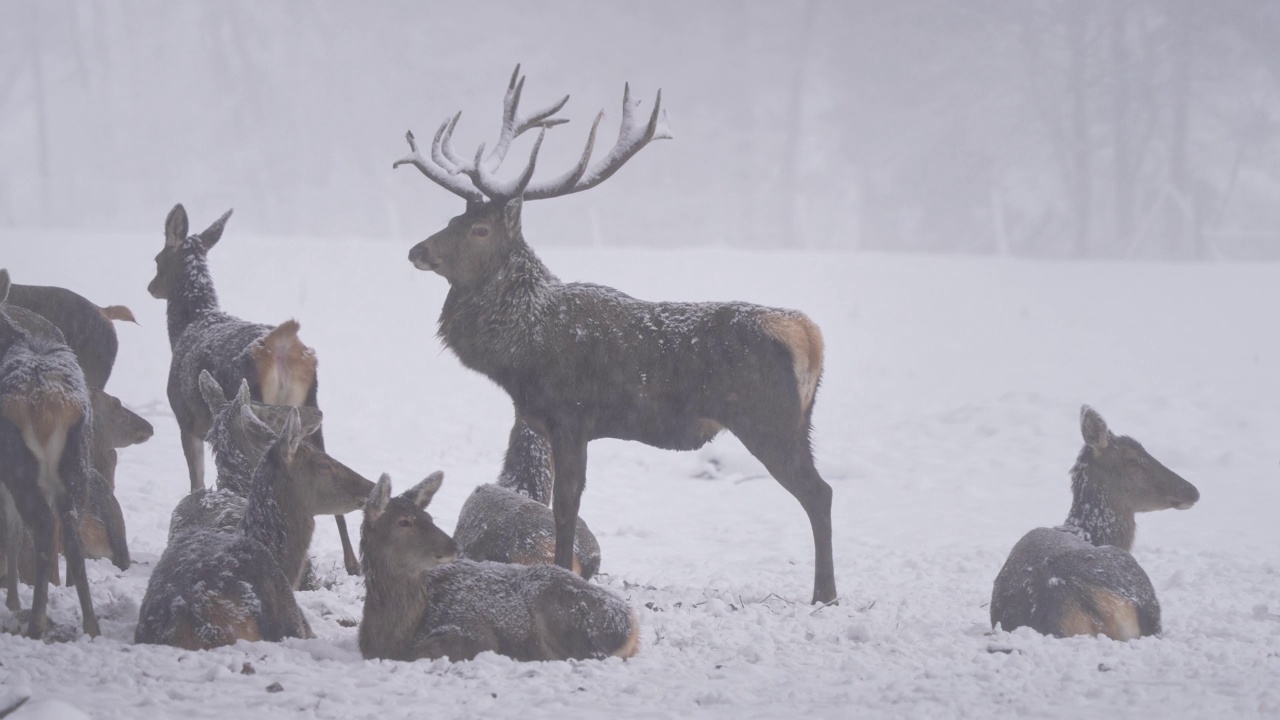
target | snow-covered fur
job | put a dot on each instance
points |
(212, 587)
(421, 603)
(588, 362)
(88, 328)
(1079, 578)
(205, 338)
(510, 521)
(45, 436)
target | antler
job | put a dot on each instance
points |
(446, 167)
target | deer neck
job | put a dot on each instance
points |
(393, 609)
(499, 316)
(1094, 516)
(274, 519)
(192, 296)
(235, 464)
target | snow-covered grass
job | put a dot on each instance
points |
(946, 424)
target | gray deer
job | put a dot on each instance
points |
(1079, 578)
(510, 521)
(279, 368)
(45, 426)
(420, 602)
(583, 362)
(88, 329)
(212, 587)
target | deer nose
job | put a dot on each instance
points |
(1190, 496)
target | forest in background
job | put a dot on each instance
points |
(1045, 128)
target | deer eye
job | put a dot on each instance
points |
(480, 231)
(405, 522)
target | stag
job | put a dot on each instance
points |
(583, 362)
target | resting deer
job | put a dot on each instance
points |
(422, 603)
(582, 361)
(45, 423)
(509, 521)
(280, 369)
(1079, 578)
(214, 587)
(88, 329)
(242, 432)
(114, 427)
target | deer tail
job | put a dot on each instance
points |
(118, 312)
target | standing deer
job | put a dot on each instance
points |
(582, 361)
(280, 369)
(212, 587)
(510, 521)
(422, 603)
(1079, 578)
(87, 328)
(45, 424)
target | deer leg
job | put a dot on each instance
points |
(791, 464)
(348, 552)
(13, 532)
(193, 449)
(569, 457)
(42, 534)
(76, 573)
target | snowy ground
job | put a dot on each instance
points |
(946, 424)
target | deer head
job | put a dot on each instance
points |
(251, 423)
(472, 242)
(322, 485)
(398, 535)
(120, 426)
(176, 243)
(1130, 477)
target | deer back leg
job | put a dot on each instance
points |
(789, 459)
(569, 457)
(75, 566)
(193, 449)
(13, 540)
(40, 521)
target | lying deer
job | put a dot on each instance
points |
(584, 362)
(1079, 578)
(45, 421)
(213, 587)
(509, 521)
(114, 427)
(422, 603)
(242, 432)
(279, 368)
(88, 329)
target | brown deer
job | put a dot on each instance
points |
(510, 521)
(422, 603)
(87, 328)
(212, 587)
(45, 423)
(114, 427)
(1079, 578)
(583, 362)
(280, 369)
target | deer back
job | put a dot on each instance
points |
(1058, 584)
(87, 328)
(504, 526)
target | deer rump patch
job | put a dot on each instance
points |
(803, 339)
(226, 620)
(286, 368)
(1098, 611)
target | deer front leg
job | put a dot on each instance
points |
(569, 457)
(193, 449)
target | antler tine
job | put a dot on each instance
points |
(513, 127)
(558, 186)
(631, 138)
(497, 189)
(437, 148)
(435, 173)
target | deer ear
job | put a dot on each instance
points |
(4, 285)
(175, 226)
(213, 233)
(291, 434)
(422, 493)
(211, 391)
(243, 396)
(511, 217)
(1094, 428)
(376, 503)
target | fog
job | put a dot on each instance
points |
(1044, 128)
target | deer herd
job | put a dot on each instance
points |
(579, 361)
